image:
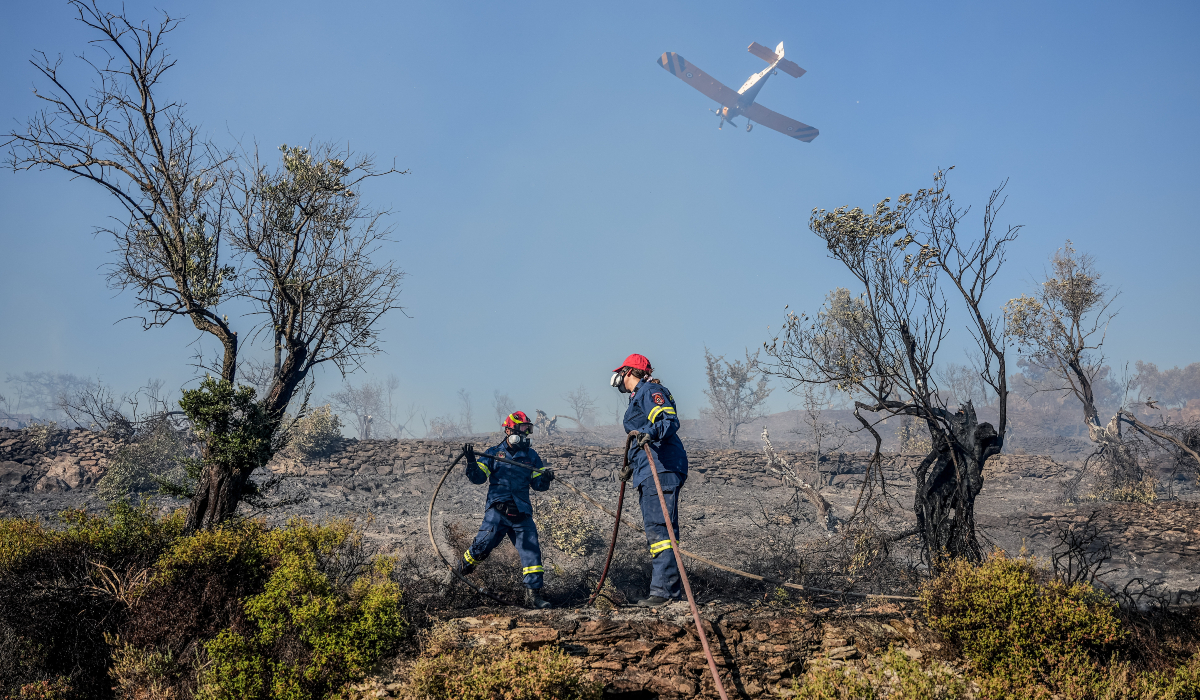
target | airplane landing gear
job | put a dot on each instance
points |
(749, 126)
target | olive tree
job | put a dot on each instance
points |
(879, 342)
(288, 247)
(1062, 328)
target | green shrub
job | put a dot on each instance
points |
(127, 603)
(315, 433)
(304, 635)
(159, 453)
(1001, 614)
(65, 588)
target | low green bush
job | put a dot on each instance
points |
(1004, 613)
(1028, 635)
(125, 604)
(306, 636)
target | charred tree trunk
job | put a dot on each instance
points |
(216, 498)
(948, 481)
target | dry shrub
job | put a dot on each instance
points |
(142, 674)
(893, 675)
(567, 525)
(492, 673)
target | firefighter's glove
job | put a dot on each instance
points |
(626, 473)
(643, 439)
(548, 476)
(469, 452)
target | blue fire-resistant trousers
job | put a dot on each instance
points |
(519, 530)
(665, 581)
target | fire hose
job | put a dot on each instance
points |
(676, 550)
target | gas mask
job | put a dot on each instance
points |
(618, 382)
(517, 442)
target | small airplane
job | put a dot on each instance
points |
(742, 102)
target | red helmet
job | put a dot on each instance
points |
(519, 421)
(636, 361)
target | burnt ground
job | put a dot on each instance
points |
(732, 511)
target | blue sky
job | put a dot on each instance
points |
(570, 202)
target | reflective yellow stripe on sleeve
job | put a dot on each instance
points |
(469, 559)
(539, 569)
(660, 410)
(483, 466)
(659, 547)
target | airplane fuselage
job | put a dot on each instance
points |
(747, 94)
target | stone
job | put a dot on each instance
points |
(534, 638)
(50, 484)
(12, 474)
(600, 474)
(67, 470)
(607, 665)
(638, 647)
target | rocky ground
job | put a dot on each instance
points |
(726, 499)
(656, 653)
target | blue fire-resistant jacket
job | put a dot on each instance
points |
(652, 411)
(506, 482)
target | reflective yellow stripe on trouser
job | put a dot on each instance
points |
(469, 559)
(658, 411)
(659, 547)
(539, 569)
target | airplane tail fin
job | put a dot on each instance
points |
(776, 57)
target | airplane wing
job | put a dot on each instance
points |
(769, 56)
(784, 125)
(698, 79)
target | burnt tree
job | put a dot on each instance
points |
(287, 248)
(879, 343)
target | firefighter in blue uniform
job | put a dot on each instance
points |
(508, 512)
(652, 417)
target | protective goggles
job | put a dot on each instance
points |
(522, 428)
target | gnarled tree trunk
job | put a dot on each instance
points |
(948, 481)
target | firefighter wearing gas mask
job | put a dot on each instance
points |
(651, 417)
(508, 512)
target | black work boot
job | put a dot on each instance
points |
(534, 599)
(654, 601)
